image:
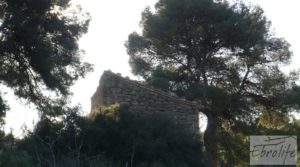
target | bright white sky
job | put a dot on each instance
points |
(111, 23)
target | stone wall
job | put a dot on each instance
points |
(115, 89)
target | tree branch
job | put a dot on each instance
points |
(244, 80)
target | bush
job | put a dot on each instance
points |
(142, 139)
(10, 156)
(112, 137)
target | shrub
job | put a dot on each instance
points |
(113, 137)
(133, 137)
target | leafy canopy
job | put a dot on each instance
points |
(222, 54)
(39, 50)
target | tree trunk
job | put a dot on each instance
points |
(211, 139)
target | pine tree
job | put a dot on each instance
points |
(222, 55)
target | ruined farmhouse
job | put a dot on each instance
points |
(113, 88)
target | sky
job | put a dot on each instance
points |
(112, 22)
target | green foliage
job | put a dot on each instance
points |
(223, 55)
(10, 156)
(273, 120)
(234, 140)
(112, 136)
(160, 79)
(3, 108)
(39, 49)
(144, 139)
(220, 54)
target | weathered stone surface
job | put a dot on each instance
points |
(115, 89)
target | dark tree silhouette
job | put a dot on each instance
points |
(222, 55)
(39, 50)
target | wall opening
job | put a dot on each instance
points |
(202, 122)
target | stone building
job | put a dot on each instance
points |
(113, 88)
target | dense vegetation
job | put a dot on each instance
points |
(108, 137)
(117, 137)
(223, 55)
(39, 52)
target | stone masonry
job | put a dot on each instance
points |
(142, 98)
